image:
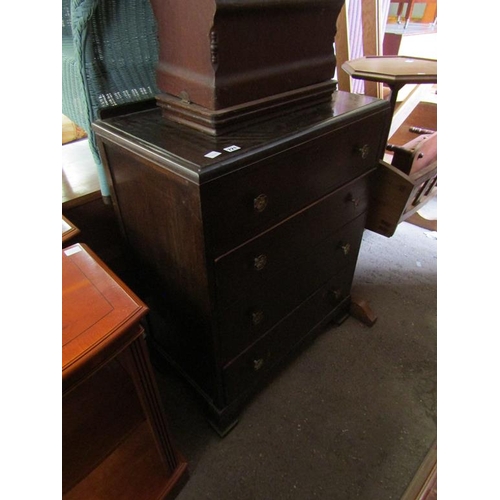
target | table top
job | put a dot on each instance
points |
(393, 69)
(99, 313)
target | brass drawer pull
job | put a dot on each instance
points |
(346, 248)
(260, 203)
(260, 262)
(257, 363)
(354, 201)
(257, 317)
(333, 296)
(363, 151)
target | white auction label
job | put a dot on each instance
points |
(212, 154)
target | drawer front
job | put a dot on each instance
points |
(258, 196)
(245, 270)
(268, 301)
(253, 364)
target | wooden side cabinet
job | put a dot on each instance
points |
(116, 443)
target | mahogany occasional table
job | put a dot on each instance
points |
(116, 443)
(395, 72)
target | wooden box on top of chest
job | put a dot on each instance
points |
(223, 62)
(252, 236)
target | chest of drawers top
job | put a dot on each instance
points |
(201, 158)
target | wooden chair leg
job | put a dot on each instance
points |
(418, 220)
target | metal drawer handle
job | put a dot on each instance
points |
(257, 317)
(260, 203)
(260, 262)
(257, 363)
(332, 296)
(346, 248)
(363, 151)
(354, 201)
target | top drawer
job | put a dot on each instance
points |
(250, 200)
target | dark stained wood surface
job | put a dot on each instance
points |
(302, 276)
(237, 232)
(290, 180)
(184, 151)
(220, 68)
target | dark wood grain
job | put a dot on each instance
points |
(219, 68)
(238, 325)
(255, 363)
(226, 265)
(288, 244)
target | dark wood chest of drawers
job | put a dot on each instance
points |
(252, 236)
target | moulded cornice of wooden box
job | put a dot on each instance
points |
(221, 54)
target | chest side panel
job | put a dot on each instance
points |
(160, 216)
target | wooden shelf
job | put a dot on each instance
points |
(141, 472)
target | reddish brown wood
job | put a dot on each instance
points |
(99, 315)
(361, 310)
(248, 57)
(416, 154)
(115, 437)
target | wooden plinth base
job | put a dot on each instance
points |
(215, 122)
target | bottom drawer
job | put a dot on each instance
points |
(250, 366)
